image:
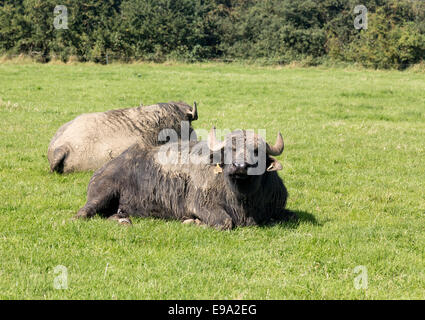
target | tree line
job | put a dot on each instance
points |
(268, 31)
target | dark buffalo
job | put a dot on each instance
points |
(208, 188)
(92, 139)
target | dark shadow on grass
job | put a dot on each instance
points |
(293, 218)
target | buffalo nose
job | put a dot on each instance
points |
(239, 166)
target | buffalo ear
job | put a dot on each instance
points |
(274, 165)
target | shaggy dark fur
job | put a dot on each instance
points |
(136, 184)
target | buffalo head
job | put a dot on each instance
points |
(245, 158)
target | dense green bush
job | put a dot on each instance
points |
(272, 31)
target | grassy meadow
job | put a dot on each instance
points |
(354, 165)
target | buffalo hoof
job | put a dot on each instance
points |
(79, 216)
(193, 221)
(125, 221)
(189, 221)
(84, 213)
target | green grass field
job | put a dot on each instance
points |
(354, 165)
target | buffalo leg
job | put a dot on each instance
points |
(88, 211)
(217, 219)
(97, 203)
